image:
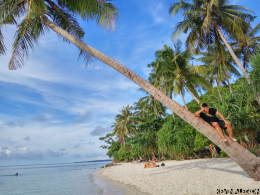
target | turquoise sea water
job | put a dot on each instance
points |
(54, 179)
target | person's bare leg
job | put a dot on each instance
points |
(219, 130)
(230, 131)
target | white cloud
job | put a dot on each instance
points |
(8, 152)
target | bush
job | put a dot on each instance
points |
(253, 150)
(223, 154)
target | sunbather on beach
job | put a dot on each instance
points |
(209, 115)
(147, 165)
(154, 163)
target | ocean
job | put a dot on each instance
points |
(54, 179)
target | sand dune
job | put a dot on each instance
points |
(203, 176)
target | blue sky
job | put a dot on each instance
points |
(54, 109)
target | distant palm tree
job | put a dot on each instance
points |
(150, 104)
(203, 17)
(218, 65)
(247, 45)
(124, 125)
(141, 109)
(174, 72)
(154, 106)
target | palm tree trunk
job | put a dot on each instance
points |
(190, 92)
(244, 64)
(171, 98)
(237, 62)
(228, 83)
(196, 90)
(163, 156)
(247, 140)
(254, 143)
(242, 143)
(245, 159)
(216, 152)
(219, 90)
(233, 54)
(183, 100)
(173, 116)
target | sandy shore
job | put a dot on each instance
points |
(108, 186)
(203, 176)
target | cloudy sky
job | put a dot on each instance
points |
(53, 110)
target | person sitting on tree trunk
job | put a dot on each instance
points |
(209, 115)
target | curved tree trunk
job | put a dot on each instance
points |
(233, 54)
(219, 90)
(183, 100)
(237, 61)
(245, 159)
(190, 92)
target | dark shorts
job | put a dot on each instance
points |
(221, 124)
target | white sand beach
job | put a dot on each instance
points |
(202, 176)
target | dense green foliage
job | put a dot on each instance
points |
(156, 135)
(173, 138)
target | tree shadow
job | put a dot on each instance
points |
(207, 165)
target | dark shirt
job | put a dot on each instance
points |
(209, 117)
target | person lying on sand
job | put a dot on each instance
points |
(147, 165)
(209, 115)
(154, 163)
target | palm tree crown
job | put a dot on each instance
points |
(218, 65)
(173, 71)
(202, 16)
(124, 125)
(63, 13)
(208, 20)
(247, 45)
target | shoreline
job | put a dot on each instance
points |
(119, 188)
(197, 176)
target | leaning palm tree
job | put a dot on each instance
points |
(248, 44)
(60, 19)
(203, 17)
